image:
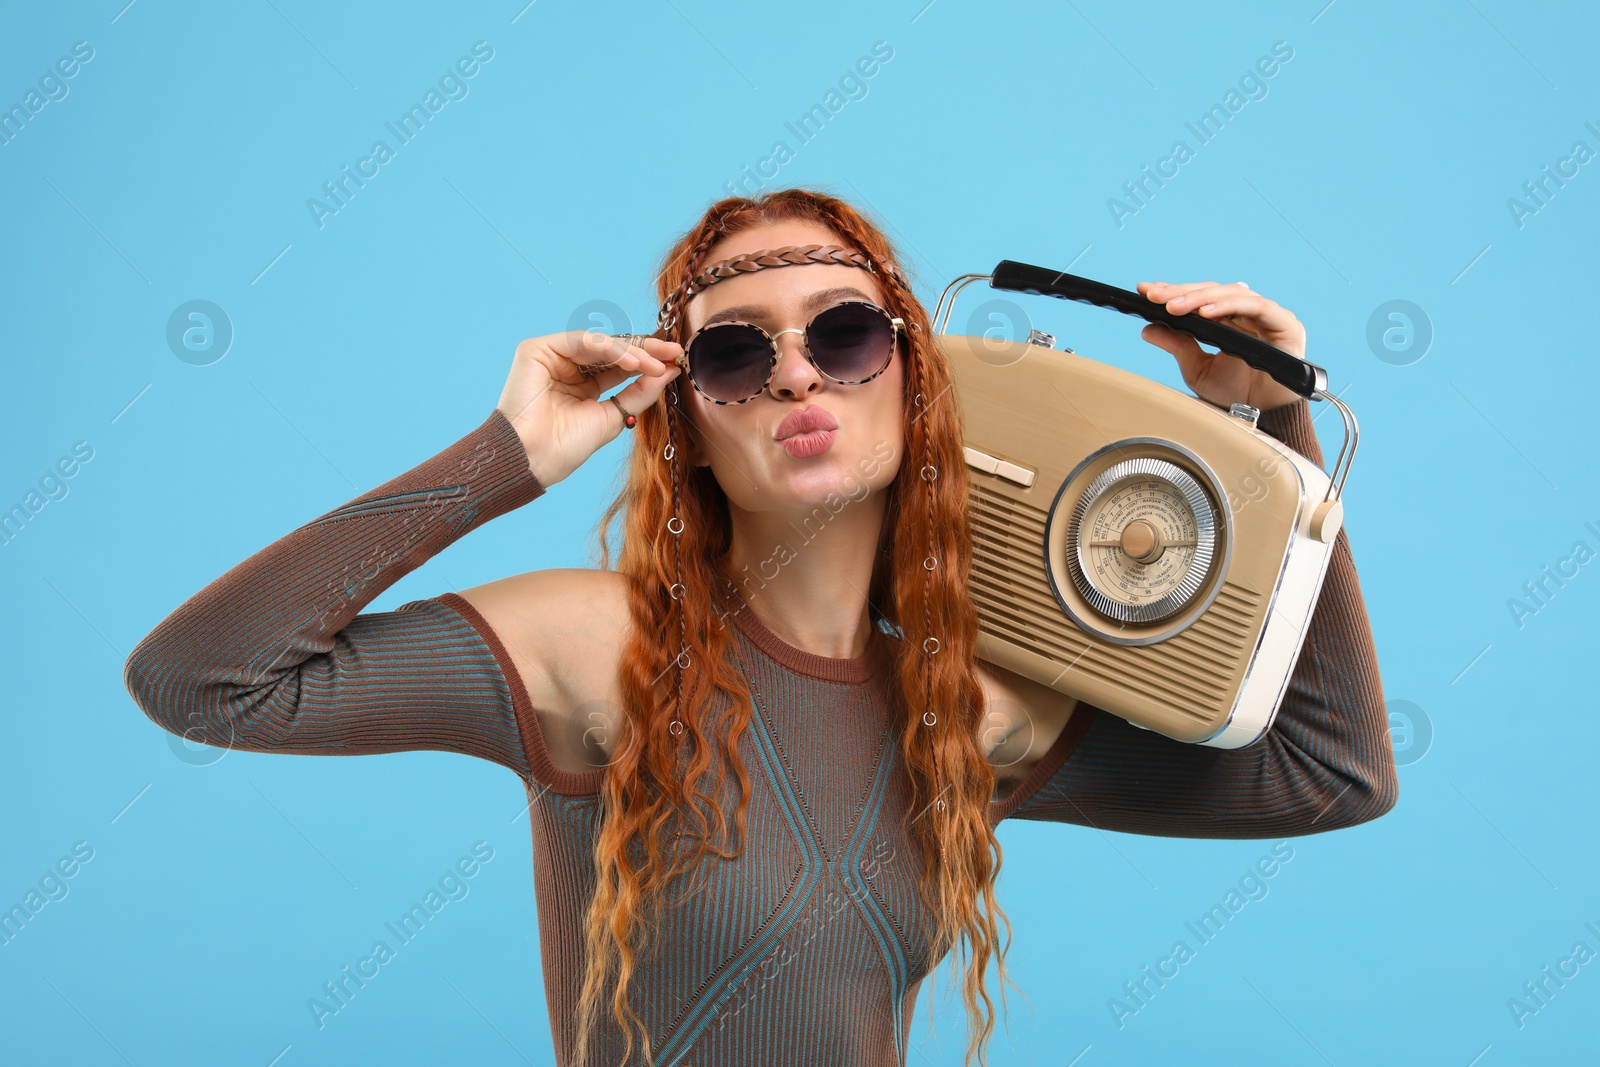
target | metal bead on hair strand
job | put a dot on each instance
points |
(676, 590)
(930, 644)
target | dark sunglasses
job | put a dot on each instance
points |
(849, 343)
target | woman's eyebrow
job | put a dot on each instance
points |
(755, 312)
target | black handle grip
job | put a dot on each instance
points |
(1294, 373)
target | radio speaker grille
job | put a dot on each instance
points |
(1190, 674)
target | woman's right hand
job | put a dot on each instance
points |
(556, 408)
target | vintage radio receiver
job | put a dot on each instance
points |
(1136, 547)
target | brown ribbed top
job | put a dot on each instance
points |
(849, 671)
(810, 946)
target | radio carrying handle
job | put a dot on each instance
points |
(1307, 379)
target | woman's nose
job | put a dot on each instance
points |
(794, 375)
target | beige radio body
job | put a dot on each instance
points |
(1041, 425)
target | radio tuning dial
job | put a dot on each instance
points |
(1141, 541)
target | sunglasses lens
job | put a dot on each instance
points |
(850, 342)
(730, 361)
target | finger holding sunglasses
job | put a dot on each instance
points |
(552, 394)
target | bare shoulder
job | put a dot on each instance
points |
(1023, 718)
(564, 630)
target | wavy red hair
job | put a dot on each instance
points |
(652, 803)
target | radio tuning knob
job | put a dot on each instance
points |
(1244, 412)
(1141, 541)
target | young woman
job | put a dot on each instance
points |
(763, 764)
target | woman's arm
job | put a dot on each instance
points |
(273, 657)
(1326, 762)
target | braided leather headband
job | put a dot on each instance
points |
(787, 256)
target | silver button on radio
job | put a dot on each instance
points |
(1245, 413)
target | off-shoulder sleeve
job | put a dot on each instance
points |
(273, 657)
(1326, 762)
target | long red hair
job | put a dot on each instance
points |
(651, 802)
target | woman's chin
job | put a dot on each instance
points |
(829, 486)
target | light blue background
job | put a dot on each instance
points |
(1378, 167)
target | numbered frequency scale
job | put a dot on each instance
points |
(1140, 539)
(1134, 546)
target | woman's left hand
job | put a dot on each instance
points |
(1220, 378)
